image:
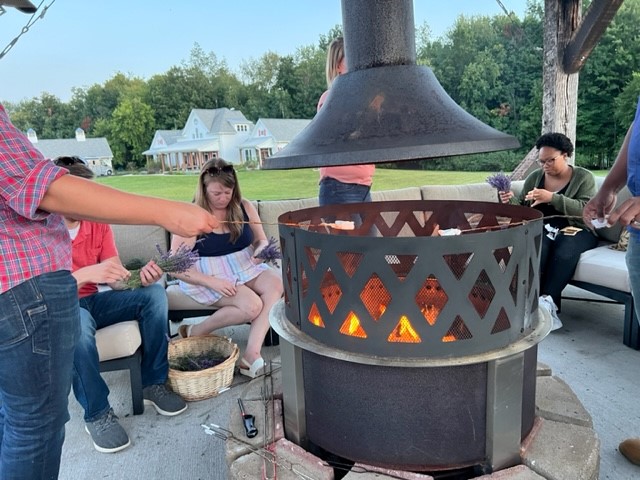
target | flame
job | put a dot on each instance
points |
(430, 313)
(352, 327)
(404, 332)
(315, 317)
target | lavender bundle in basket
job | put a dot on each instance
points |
(271, 253)
(500, 181)
(170, 262)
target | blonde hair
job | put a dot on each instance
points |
(217, 170)
(335, 55)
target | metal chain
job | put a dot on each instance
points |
(26, 28)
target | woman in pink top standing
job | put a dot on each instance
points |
(348, 183)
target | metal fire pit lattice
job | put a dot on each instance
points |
(390, 288)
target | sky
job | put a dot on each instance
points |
(81, 43)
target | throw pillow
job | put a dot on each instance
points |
(622, 242)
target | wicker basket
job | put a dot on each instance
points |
(203, 383)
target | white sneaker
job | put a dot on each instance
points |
(546, 302)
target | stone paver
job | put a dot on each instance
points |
(561, 451)
(556, 401)
(543, 370)
(271, 386)
(292, 463)
(369, 472)
(519, 472)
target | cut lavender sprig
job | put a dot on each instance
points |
(500, 181)
(170, 262)
(271, 253)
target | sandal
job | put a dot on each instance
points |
(254, 370)
(184, 331)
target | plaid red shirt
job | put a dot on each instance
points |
(32, 242)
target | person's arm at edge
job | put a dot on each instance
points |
(617, 176)
(604, 200)
(81, 198)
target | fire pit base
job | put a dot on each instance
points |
(562, 444)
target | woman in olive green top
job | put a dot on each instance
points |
(559, 191)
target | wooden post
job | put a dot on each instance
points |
(559, 89)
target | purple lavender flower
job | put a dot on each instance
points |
(271, 253)
(194, 363)
(170, 262)
(500, 181)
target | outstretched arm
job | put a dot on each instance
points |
(604, 201)
(79, 198)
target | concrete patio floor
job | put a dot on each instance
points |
(587, 353)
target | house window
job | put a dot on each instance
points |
(249, 155)
(242, 128)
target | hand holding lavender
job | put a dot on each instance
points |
(170, 262)
(501, 182)
(270, 253)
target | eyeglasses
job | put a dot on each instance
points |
(542, 163)
(68, 161)
(215, 171)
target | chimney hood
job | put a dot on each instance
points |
(386, 108)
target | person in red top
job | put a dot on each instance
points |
(39, 314)
(96, 261)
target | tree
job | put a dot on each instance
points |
(607, 72)
(131, 130)
(47, 115)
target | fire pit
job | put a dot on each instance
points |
(406, 350)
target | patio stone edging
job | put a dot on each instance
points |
(562, 445)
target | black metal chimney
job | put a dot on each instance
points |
(386, 108)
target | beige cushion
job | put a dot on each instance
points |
(139, 241)
(270, 210)
(118, 341)
(178, 300)
(410, 193)
(481, 192)
(603, 266)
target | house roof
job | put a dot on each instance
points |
(220, 120)
(202, 145)
(169, 136)
(89, 148)
(258, 142)
(284, 129)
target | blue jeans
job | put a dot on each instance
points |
(147, 305)
(633, 266)
(333, 192)
(38, 331)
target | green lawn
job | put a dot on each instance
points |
(280, 184)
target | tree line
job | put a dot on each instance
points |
(491, 66)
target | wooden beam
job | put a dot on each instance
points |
(595, 22)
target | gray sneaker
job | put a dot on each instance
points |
(164, 400)
(107, 434)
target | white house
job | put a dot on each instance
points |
(207, 134)
(269, 136)
(96, 152)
